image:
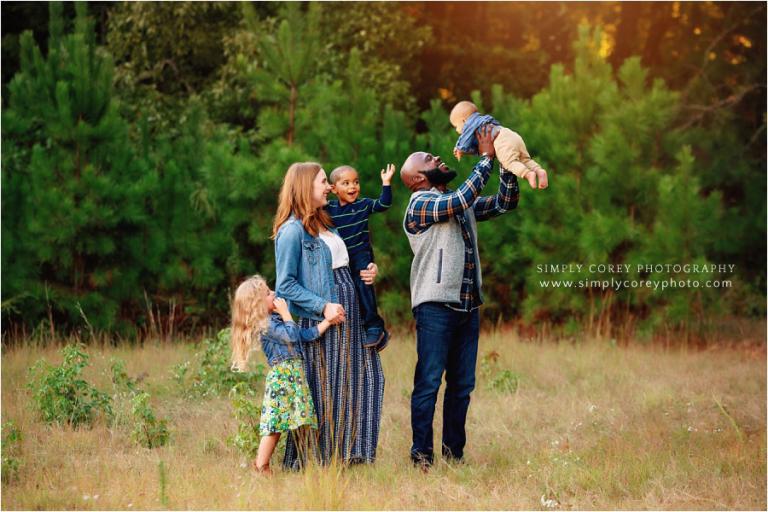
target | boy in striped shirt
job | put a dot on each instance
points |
(350, 216)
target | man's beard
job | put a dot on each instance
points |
(438, 177)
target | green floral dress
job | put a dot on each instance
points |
(287, 401)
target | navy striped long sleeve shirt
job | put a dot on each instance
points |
(352, 219)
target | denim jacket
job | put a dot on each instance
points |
(304, 272)
(282, 340)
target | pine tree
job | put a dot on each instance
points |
(72, 180)
(345, 123)
(288, 58)
(621, 191)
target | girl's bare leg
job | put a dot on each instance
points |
(266, 448)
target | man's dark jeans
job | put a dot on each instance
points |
(372, 322)
(446, 341)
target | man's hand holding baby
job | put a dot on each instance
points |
(485, 141)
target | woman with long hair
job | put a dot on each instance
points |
(346, 380)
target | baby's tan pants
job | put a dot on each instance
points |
(512, 154)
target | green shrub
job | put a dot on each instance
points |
(214, 375)
(11, 451)
(248, 414)
(61, 395)
(124, 390)
(148, 431)
(179, 374)
(505, 381)
(497, 379)
(120, 379)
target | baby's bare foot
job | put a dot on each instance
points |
(543, 181)
(531, 178)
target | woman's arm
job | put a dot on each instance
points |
(287, 259)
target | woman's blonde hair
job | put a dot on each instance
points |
(296, 198)
(249, 318)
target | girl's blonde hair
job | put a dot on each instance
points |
(296, 198)
(249, 318)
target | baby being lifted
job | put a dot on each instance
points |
(509, 146)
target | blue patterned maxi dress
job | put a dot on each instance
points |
(347, 385)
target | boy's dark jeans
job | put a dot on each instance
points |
(372, 322)
(446, 341)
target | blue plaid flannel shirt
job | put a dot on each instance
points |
(428, 209)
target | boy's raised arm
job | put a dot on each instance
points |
(385, 199)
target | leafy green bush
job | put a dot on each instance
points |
(247, 412)
(131, 408)
(124, 390)
(11, 451)
(497, 379)
(179, 373)
(149, 431)
(120, 379)
(213, 375)
(61, 395)
(505, 381)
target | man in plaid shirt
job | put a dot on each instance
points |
(446, 288)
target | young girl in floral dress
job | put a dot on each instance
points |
(287, 403)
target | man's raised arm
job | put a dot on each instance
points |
(429, 209)
(488, 207)
(432, 208)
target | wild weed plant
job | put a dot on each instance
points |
(163, 483)
(124, 388)
(213, 375)
(11, 448)
(61, 395)
(247, 413)
(148, 430)
(496, 378)
(121, 381)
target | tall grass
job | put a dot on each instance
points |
(588, 425)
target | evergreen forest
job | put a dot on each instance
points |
(144, 145)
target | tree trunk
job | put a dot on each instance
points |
(292, 114)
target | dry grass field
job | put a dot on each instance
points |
(589, 426)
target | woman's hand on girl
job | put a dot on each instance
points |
(369, 275)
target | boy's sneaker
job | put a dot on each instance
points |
(381, 345)
(373, 338)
